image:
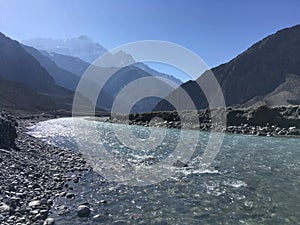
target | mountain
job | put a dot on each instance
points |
(155, 73)
(16, 97)
(24, 82)
(82, 47)
(17, 65)
(266, 73)
(77, 66)
(286, 93)
(62, 77)
(63, 64)
(120, 79)
(72, 64)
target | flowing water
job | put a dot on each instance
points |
(252, 180)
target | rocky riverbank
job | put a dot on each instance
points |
(33, 174)
(261, 121)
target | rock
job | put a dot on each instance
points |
(97, 216)
(21, 220)
(281, 132)
(34, 203)
(293, 132)
(62, 209)
(101, 219)
(83, 211)
(4, 208)
(14, 201)
(49, 221)
(36, 186)
(264, 114)
(38, 217)
(70, 195)
(292, 128)
(8, 132)
(180, 164)
(248, 204)
(120, 222)
(44, 214)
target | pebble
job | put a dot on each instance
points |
(83, 211)
(120, 222)
(180, 164)
(248, 204)
(49, 221)
(35, 172)
(62, 209)
(4, 208)
(34, 203)
(70, 195)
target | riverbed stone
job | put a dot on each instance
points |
(83, 211)
(8, 132)
(179, 164)
(120, 222)
(4, 208)
(49, 221)
(34, 203)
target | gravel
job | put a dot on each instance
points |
(33, 174)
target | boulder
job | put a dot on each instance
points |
(179, 164)
(8, 132)
(83, 211)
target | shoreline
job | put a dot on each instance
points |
(259, 121)
(34, 174)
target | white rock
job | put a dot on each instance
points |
(4, 208)
(34, 203)
(49, 221)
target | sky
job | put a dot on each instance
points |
(216, 30)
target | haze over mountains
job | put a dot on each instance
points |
(70, 54)
(68, 69)
(267, 73)
(40, 80)
(50, 76)
(82, 47)
(25, 84)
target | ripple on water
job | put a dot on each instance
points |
(253, 180)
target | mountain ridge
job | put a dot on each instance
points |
(258, 71)
(82, 47)
(26, 77)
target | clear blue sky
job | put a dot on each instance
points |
(217, 30)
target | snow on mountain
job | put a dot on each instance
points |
(82, 47)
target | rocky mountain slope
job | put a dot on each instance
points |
(16, 97)
(25, 84)
(72, 64)
(266, 73)
(120, 79)
(62, 77)
(17, 65)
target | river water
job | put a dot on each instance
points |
(252, 180)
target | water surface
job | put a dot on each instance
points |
(253, 180)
